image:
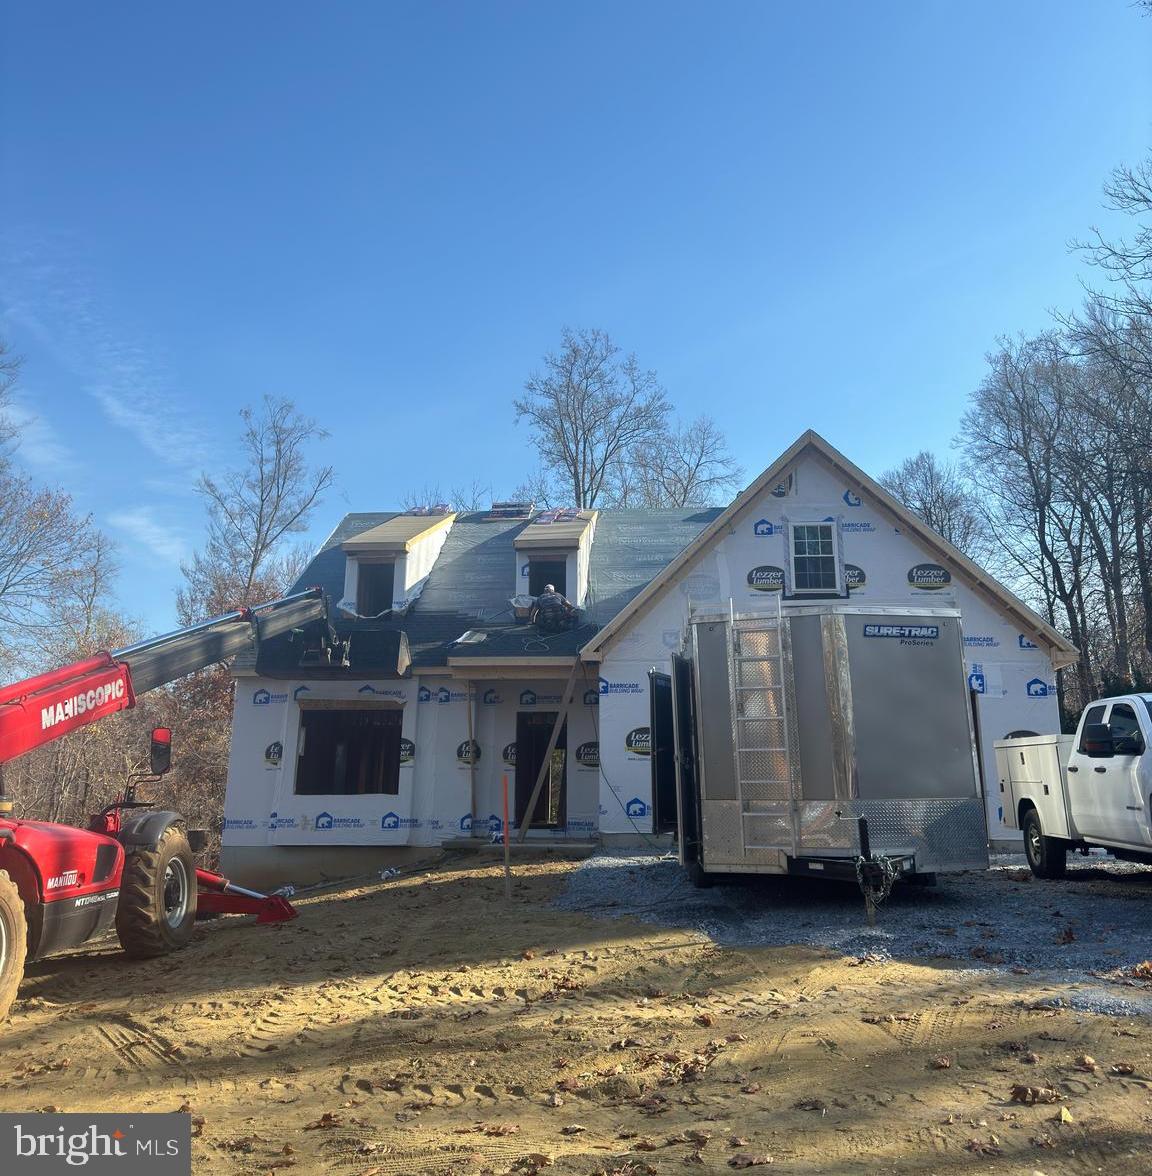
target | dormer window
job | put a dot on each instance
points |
(374, 587)
(542, 572)
(389, 563)
(555, 549)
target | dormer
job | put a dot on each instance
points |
(555, 548)
(388, 565)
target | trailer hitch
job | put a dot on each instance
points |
(876, 874)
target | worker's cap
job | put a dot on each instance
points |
(549, 587)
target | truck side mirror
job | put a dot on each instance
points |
(161, 750)
(1097, 741)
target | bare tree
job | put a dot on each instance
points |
(253, 510)
(939, 494)
(588, 409)
(1015, 437)
(10, 365)
(683, 465)
(1126, 263)
(55, 565)
(472, 496)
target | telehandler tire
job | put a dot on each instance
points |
(1047, 856)
(13, 942)
(157, 909)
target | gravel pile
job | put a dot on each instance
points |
(1098, 921)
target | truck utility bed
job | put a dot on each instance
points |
(1029, 769)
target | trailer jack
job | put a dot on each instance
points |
(217, 896)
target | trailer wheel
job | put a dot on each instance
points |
(13, 942)
(1047, 856)
(157, 908)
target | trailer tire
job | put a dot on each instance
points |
(1047, 856)
(157, 909)
(13, 942)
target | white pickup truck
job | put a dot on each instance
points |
(1092, 788)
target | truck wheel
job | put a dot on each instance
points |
(157, 908)
(13, 942)
(1047, 856)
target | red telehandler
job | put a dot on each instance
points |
(133, 866)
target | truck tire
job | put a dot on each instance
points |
(1047, 856)
(13, 942)
(157, 909)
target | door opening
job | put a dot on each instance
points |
(663, 753)
(533, 730)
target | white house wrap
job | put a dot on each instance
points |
(365, 757)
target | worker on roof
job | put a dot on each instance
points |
(554, 611)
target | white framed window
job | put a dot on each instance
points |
(814, 556)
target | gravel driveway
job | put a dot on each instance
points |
(1095, 923)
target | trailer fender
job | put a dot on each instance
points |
(144, 830)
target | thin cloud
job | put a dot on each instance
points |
(141, 525)
(53, 300)
(38, 444)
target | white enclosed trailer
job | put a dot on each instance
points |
(811, 740)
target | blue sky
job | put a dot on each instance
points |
(800, 215)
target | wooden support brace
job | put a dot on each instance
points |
(546, 766)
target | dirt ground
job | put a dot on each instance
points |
(425, 1025)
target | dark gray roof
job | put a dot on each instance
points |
(473, 578)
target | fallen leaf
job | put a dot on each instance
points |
(1064, 1115)
(738, 1141)
(811, 1104)
(705, 1019)
(554, 1100)
(1086, 1062)
(941, 1063)
(573, 1129)
(750, 1088)
(326, 1120)
(1030, 1095)
(501, 1128)
(748, 1160)
(1122, 1068)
